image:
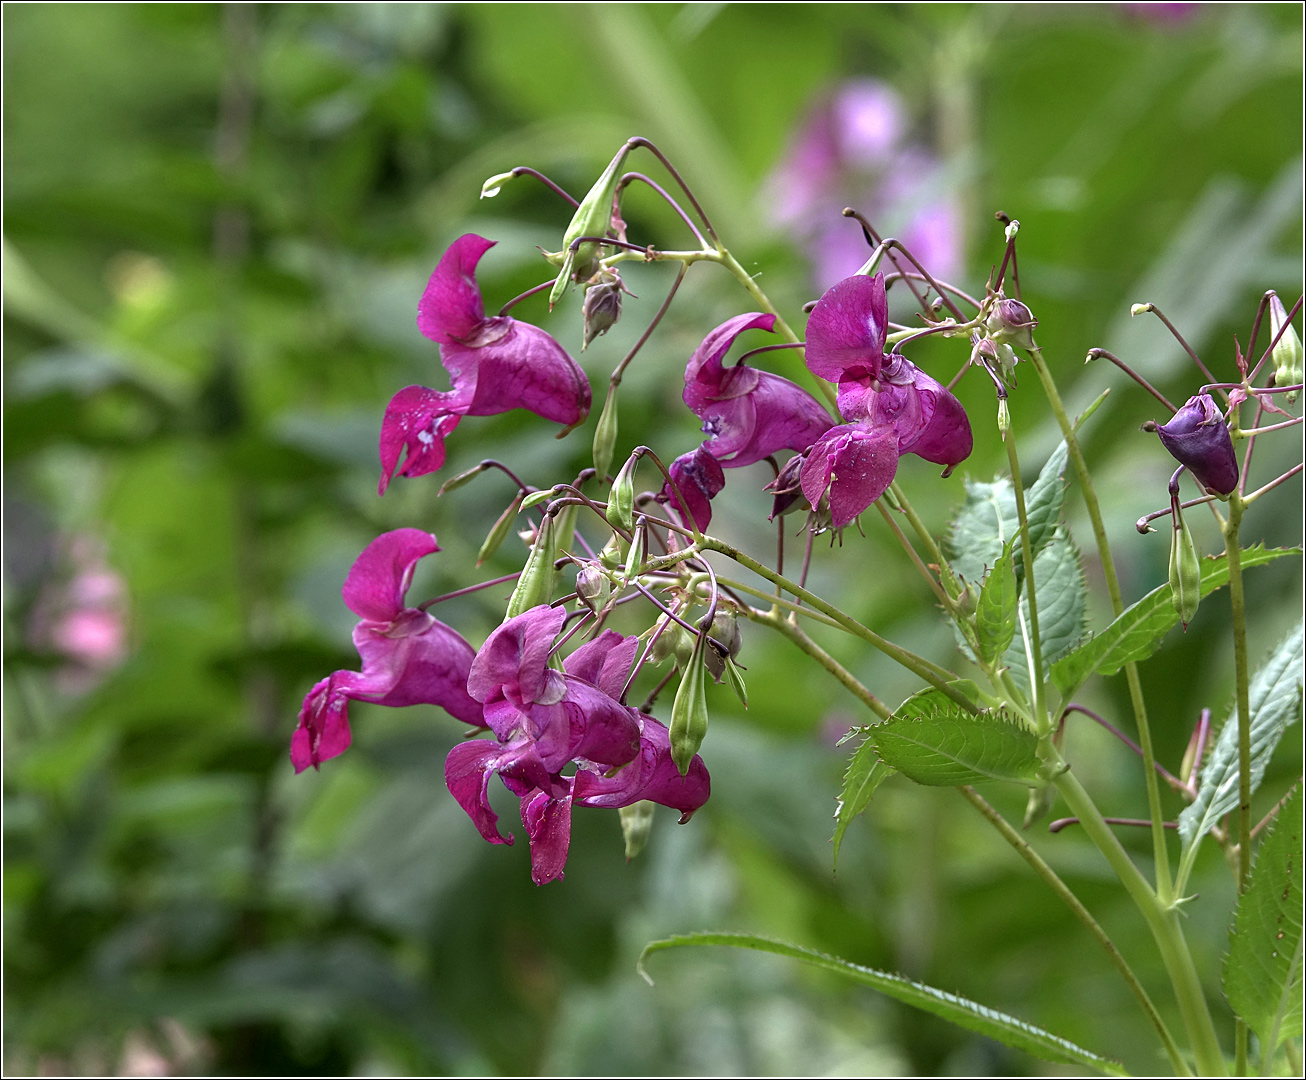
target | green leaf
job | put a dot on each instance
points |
(866, 772)
(1059, 581)
(1137, 631)
(933, 741)
(995, 611)
(982, 527)
(1275, 701)
(1262, 971)
(964, 1013)
(987, 520)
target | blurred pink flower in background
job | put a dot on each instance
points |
(83, 617)
(852, 149)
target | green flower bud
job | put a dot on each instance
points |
(725, 629)
(1185, 571)
(605, 435)
(537, 497)
(621, 499)
(612, 554)
(592, 218)
(499, 531)
(635, 556)
(1004, 416)
(535, 586)
(689, 711)
(674, 641)
(1039, 804)
(593, 588)
(494, 184)
(636, 824)
(1287, 353)
(462, 478)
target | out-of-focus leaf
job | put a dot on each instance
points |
(1262, 971)
(958, 1010)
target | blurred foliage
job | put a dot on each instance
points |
(218, 222)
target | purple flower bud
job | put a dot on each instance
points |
(1198, 438)
(787, 488)
(600, 309)
(495, 365)
(699, 477)
(1012, 323)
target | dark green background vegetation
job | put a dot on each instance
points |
(209, 409)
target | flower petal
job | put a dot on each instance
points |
(862, 470)
(523, 369)
(381, 575)
(467, 772)
(323, 731)
(605, 661)
(420, 419)
(548, 822)
(699, 478)
(514, 661)
(1196, 436)
(451, 308)
(847, 328)
(653, 776)
(432, 666)
(704, 375)
(946, 438)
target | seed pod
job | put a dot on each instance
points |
(621, 499)
(1287, 352)
(636, 824)
(605, 434)
(499, 530)
(674, 641)
(592, 218)
(689, 711)
(635, 556)
(1185, 571)
(535, 586)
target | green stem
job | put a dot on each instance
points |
(931, 546)
(1162, 919)
(1160, 853)
(779, 601)
(1031, 587)
(938, 677)
(795, 634)
(944, 598)
(1022, 848)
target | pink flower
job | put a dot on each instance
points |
(544, 719)
(495, 364)
(409, 657)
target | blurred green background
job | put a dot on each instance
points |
(217, 224)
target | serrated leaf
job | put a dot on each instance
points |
(987, 521)
(866, 772)
(1274, 698)
(931, 740)
(1062, 604)
(1137, 631)
(982, 527)
(1262, 971)
(995, 610)
(958, 1010)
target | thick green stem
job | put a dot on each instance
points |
(1031, 588)
(795, 634)
(1160, 853)
(936, 676)
(1162, 919)
(1022, 848)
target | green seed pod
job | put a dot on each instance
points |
(1039, 804)
(605, 435)
(636, 824)
(674, 641)
(1287, 353)
(1004, 416)
(592, 218)
(621, 499)
(635, 557)
(535, 586)
(1185, 572)
(462, 478)
(499, 531)
(737, 682)
(689, 711)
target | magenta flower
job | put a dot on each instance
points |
(543, 719)
(409, 657)
(1197, 437)
(748, 415)
(894, 407)
(495, 364)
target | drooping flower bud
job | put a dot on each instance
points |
(494, 184)
(636, 825)
(1287, 352)
(787, 488)
(1197, 437)
(621, 499)
(605, 434)
(689, 711)
(535, 586)
(725, 629)
(593, 589)
(601, 307)
(499, 530)
(455, 482)
(1011, 323)
(1185, 570)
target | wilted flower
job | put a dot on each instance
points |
(1197, 437)
(699, 478)
(495, 364)
(543, 719)
(895, 408)
(409, 657)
